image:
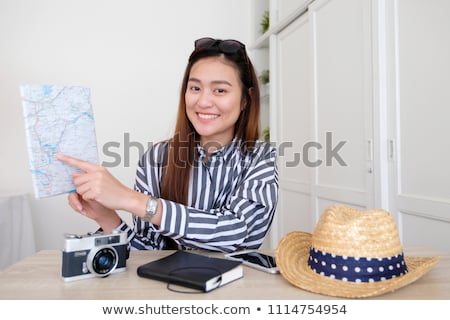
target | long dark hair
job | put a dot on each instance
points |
(182, 146)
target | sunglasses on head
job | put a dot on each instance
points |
(225, 46)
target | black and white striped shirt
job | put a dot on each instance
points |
(231, 202)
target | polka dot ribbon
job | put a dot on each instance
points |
(356, 269)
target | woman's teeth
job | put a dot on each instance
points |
(207, 116)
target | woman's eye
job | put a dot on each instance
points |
(195, 88)
(220, 90)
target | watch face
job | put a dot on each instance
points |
(152, 206)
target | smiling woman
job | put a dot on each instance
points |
(213, 185)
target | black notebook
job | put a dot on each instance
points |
(192, 270)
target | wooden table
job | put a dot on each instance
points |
(39, 277)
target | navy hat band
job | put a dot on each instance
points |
(356, 269)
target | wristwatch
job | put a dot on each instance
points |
(151, 208)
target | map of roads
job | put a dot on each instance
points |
(58, 119)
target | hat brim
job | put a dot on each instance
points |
(292, 254)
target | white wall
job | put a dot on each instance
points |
(130, 53)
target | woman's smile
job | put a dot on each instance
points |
(207, 116)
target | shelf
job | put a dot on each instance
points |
(263, 40)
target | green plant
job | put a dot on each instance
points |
(264, 77)
(265, 22)
(266, 134)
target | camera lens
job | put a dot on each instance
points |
(104, 261)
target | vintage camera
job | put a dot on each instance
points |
(94, 255)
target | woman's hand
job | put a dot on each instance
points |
(99, 194)
(96, 183)
(106, 218)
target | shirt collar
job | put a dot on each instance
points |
(225, 152)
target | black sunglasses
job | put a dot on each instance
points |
(225, 46)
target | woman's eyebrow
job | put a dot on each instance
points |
(213, 82)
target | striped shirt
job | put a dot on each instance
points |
(231, 202)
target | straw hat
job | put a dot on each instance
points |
(351, 254)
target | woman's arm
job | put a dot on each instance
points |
(98, 195)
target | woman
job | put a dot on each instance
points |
(213, 185)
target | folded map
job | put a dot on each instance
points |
(58, 119)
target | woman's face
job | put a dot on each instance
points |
(213, 100)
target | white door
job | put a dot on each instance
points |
(419, 113)
(293, 126)
(342, 103)
(323, 99)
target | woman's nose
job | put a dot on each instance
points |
(205, 99)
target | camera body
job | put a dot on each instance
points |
(94, 255)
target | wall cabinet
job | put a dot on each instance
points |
(357, 111)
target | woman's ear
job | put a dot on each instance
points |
(250, 92)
